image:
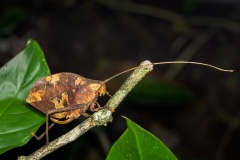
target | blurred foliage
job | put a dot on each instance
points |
(151, 91)
(10, 19)
(189, 6)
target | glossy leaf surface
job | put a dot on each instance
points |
(17, 118)
(137, 143)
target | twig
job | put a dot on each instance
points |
(102, 117)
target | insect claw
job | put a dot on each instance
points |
(98, 106)
(107, 93)
(91, 123)
(111, 109)
(85, 114)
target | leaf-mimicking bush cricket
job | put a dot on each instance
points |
(63, 97)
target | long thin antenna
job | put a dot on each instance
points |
(171, 62)
(197, 63)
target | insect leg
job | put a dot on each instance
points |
(95, 108)
(93, 105)
(43, 134)
(69, 108)
(47, 136)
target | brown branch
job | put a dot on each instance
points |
(102, 117)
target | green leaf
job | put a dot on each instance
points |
(151, 91)
(17, 119)
(137, 143)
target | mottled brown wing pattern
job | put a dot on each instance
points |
(63, 90)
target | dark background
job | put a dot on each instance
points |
(98, 39)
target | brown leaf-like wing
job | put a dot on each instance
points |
(62, 90)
